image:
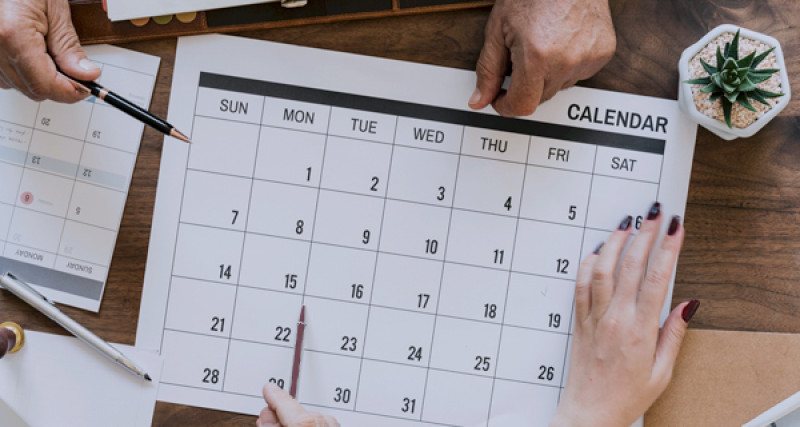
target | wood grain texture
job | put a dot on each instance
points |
(742, 251)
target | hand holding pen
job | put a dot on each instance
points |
(37, 36)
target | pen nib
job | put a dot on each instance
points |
(147, 377)
(175, 133)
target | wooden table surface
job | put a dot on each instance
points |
(742, 252)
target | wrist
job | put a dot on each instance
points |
(576, 416)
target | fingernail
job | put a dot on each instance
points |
(626, 223)
(476, 96)
(88, 65)
(597, 249)
(689, 310)
(673, 225)
(654, 211)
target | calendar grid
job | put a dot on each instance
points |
(310, 225)
(523, 273)
(445, 316)
(27, 153)
(431, 204)
(72, 190)
(572, 313)
(59, 175)
(441, 275)
(375, 267)
(21, 208)
(241, 256)
(508, 282)
(316, 207)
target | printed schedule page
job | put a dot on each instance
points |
(65, 170)
(435, 248)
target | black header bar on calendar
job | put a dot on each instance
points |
(427, 112)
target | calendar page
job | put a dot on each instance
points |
(64, 176)
(434, 248)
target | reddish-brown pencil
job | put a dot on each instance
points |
(298, 351)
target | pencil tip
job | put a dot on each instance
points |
(175, 133)
(147, 377)
(303, 313)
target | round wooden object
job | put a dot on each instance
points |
(19, 334)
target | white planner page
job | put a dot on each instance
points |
(56, 380)
(65, 170)
(434, 248)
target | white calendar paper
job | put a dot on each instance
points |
(64, 177)
(435, 248)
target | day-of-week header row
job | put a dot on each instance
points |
(438, 136)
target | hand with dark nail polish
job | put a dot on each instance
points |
(621, 357)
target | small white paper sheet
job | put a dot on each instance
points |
(65, 171)
(59, 381)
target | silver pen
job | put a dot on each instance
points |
(38, 301)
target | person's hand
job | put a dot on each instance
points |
(284, 411)
(550, 44)
(620, 361)
(35, 35)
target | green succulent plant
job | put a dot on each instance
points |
(734, 80)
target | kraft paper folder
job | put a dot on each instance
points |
(725, 378)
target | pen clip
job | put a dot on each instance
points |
(28, 287)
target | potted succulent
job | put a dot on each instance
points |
(733, 81)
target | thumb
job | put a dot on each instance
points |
(491, 67)
(671, 338)
(63, 43)
(285, 407)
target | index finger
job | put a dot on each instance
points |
(287, 409)
(524, 90)
(656, 283)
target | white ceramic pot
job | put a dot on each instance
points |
(686, 101)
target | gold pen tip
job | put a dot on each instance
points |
(175, 133)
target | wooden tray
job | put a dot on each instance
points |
(93, 25)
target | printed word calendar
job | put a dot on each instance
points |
(64, 176)
(434, 248)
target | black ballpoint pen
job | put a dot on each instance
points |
(127, 107)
